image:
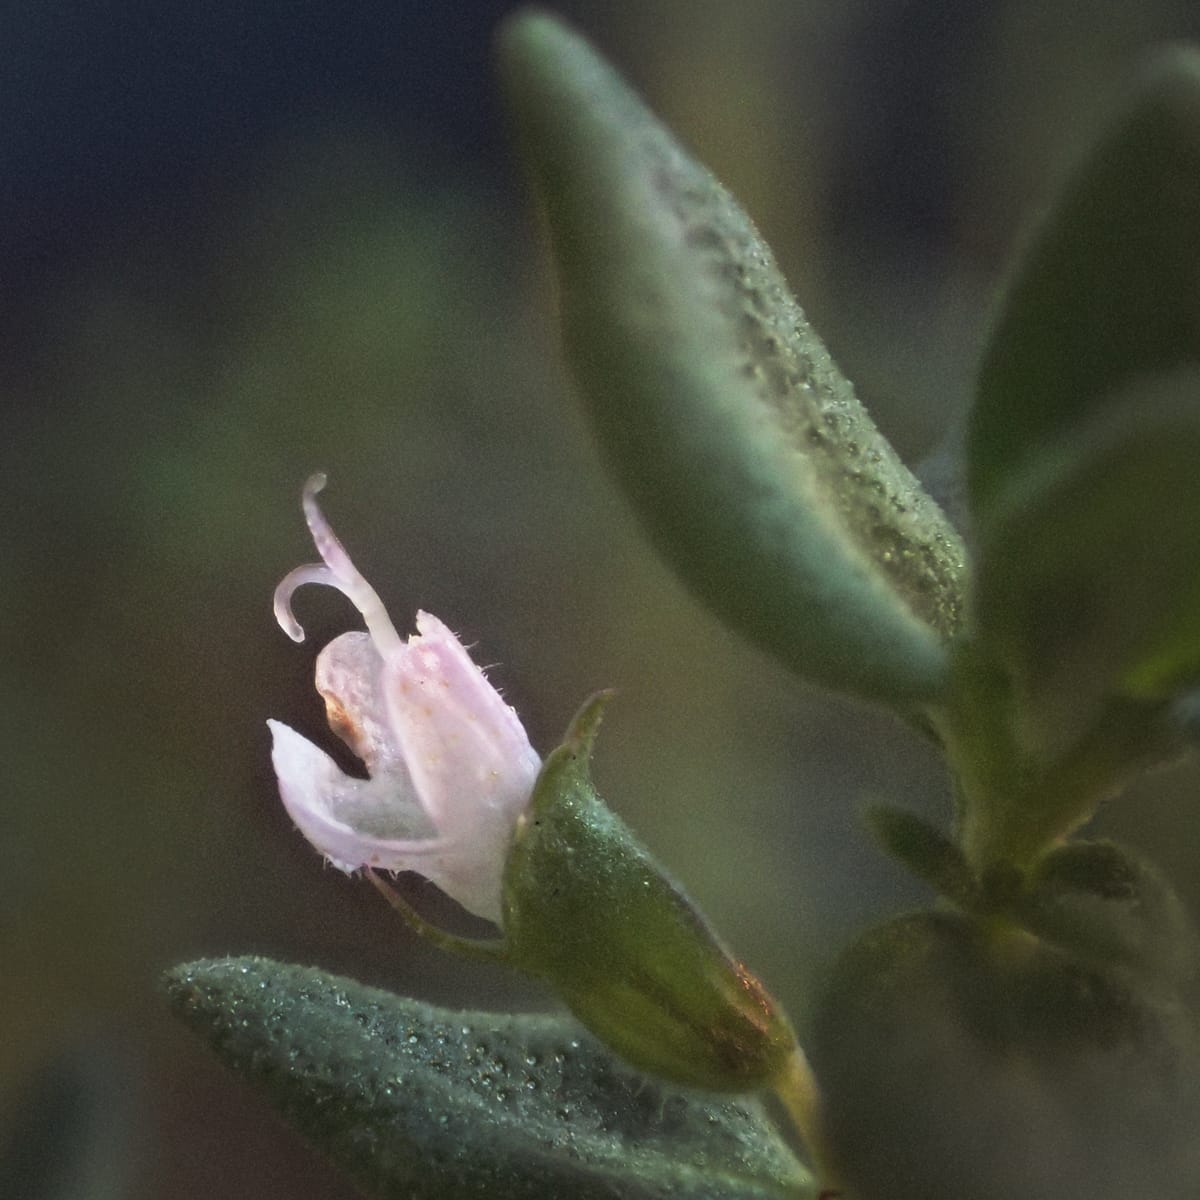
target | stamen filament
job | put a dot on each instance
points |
(309, 573)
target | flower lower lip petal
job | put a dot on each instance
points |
(319, 797)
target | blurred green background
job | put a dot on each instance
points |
(241, 243)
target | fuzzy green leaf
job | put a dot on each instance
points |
(1108, 289)
(746, 453)
(422, 1103)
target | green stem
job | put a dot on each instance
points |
(796, 1089)
(984, 756)
(1011, 806)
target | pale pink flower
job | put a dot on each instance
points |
(450, 765)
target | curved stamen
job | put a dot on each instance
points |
(342, 572)
(309, 573)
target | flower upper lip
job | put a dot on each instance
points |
(450, 765)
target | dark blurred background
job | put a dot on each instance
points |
(242, 242)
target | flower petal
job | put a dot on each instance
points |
(353, 822)
(349, 677)
(466, 749)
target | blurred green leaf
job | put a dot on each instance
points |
(927, 852)
(77, 1129)
(423, 1103)
(962, 1058)
(1089, 564)
(1107, 290)
(1103, 902)
(754, 467)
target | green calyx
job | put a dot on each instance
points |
(588, 909)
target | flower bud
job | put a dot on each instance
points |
(589, 910)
